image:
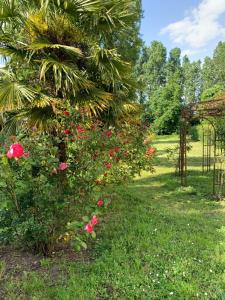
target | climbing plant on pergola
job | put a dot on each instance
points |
(213, 141)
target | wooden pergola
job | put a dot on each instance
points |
(213, 142)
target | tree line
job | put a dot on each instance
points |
(168, 82)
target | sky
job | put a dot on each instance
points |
(196, 26)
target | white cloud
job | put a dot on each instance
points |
(190, 52)
(201, 26)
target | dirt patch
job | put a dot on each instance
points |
(14, 263)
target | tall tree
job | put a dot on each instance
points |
(219, 63)
(165, 102)
(140, 74)
(191, 80)
(155, 67)
(208, 73)
(213, 74)
(174, 63)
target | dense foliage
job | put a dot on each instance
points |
(61, 52)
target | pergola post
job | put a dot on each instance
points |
(183, 152)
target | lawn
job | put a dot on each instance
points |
(158, 242)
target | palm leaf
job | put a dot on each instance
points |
(109, 63)
(75, 6)
(14, 95)
(9, 15)
(94, 101)
(41, 46)
(66, 76)
(12, 52)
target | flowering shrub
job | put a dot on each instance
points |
(55, 185)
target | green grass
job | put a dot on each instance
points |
(158, 242)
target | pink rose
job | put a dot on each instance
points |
(63, 166)
(100, 202)
(16, 151)
(80, 130)
(94, 221)
(88, 228)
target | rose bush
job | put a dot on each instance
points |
(55, 185)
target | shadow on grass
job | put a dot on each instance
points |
(167, 186)
(192, 161)
(168, 229)
(165, 142)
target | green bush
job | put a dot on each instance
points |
(195, 133)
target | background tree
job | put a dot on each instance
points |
(219, 63)
(155, 67)
(208, 78)
(213, 74)
(191, 80)
(165, 102)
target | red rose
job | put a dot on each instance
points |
(16, 151)
(109, 165)
(94, 221)
(111, 153)
(100, 202)
(66, 113)
(88, 228)
(117, 149)
(126, 153)
(109, 133)
(117, 159)
(80, 129)
(67, 131)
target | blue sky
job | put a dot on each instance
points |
(195, 26)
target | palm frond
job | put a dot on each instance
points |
(12, 52)
(94, 101)
(9, 14)
(77, 6)
(41, 46)
(109, 63)
(14, 95)
(66, 76)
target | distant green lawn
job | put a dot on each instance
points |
(158, 242)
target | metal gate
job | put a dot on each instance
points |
(208, 149)
(219, 167)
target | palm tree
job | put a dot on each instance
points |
(63, 52)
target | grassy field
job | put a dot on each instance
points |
(158, 242)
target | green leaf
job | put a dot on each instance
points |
(85, 219)
(84, 245)
(93, 235)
